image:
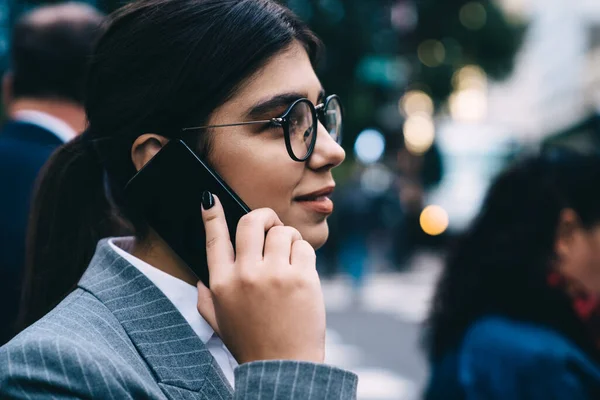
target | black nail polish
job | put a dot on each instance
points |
(208, 201)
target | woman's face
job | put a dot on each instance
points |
(253, 159)
(578, 251)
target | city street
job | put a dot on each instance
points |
(378, 335)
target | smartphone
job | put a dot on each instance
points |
(168, 192)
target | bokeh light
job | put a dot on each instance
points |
(473, 15)
(404, 16)
(468, 103)
(432, 53)
(470, 77)
(416, 102)
(515, 9)
(419, 133)
(434, 220)
(376, 179)
(369, 146)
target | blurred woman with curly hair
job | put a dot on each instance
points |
(516, 313)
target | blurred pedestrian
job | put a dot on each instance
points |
(235, 81)
(516, 313)
(42, 96)
(353, 219)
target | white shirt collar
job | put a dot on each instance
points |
(57, 126)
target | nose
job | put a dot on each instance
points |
(328, 153)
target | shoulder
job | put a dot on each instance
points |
(512, 358)
(27, 147)
(29, 133)
(79, 318)
(31, 140)
(79, 323)
(76, 348)
(503, 336)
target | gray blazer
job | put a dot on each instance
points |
(118, 337)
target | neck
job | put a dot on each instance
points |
(71, 113)
(157, 253)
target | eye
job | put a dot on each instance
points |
(270, 126)
(308, 133)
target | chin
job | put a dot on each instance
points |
(316, 235)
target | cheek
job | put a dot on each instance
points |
(595, 258)
(593, 251)
(589, 258)
(258, 170)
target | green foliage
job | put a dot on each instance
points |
(493, 46)
(373, 49)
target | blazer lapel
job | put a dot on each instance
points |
(162, 336)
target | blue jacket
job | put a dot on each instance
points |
(24, 148)
(504, 359)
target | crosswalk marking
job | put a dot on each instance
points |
(381, 384)
(373, 383)
(405, 296)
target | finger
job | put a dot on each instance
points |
(219, 250)
(250, 236)
(278, 244)
(303, 255)
(206, 306)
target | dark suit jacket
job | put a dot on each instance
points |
(24, 148)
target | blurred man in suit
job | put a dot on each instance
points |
(42, 94)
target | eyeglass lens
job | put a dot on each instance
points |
(302, 127)
(332, 119)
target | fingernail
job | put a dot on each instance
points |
(208, 201)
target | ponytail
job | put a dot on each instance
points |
(70, 214)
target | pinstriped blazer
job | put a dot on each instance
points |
(118, 337)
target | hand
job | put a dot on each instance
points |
(265, 300)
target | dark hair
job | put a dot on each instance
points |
(501, 264)
(50, 51)
(161, 65)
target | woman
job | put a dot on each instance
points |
(516, 311)
(130, 328)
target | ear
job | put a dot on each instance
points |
(145, 147)
(7, 91)
(566, 233)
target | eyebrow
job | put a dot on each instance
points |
(279, 101)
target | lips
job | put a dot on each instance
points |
(318, 201)
(325, 192)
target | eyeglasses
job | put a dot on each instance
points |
(300, 123)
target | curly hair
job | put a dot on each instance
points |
(501, 263)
